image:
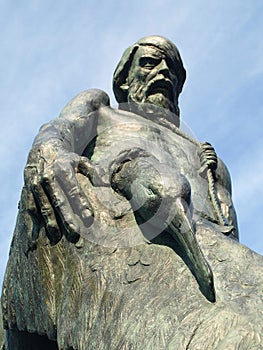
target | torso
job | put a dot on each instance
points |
(120, 130)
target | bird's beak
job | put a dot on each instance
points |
(182, 230)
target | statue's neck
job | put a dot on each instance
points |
(152, 112)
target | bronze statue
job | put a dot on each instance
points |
(125, 225)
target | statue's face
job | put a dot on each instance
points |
(152, 78)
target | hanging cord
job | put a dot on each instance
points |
(209, 162)
(208, 159)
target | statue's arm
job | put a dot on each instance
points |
(224, 192)
(54, 197)
(76, 125)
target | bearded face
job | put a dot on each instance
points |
(152, 79)
(137, 95)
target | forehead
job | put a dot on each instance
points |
(146, 51)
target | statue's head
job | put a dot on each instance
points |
(150, 71)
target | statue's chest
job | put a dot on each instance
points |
(118, 132)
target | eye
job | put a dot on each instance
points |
(149, 62)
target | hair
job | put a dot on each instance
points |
(122, 70)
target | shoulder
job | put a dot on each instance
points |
(86, 102)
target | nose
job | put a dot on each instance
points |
(163, 67)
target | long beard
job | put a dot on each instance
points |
(138, 94)
(160, 100)
(156, 107)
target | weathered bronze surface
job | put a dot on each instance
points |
(126, 236)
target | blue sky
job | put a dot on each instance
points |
(51, 50)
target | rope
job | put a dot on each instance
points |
(209, 162)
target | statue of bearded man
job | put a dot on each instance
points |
(126, 235)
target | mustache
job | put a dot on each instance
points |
(162, 85)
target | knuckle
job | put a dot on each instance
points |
(61, 167)
(59, 202)
(46, 210)
(74, 192)
(47, 176)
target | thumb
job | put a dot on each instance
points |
(94, 172)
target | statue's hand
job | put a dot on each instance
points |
(54, 198)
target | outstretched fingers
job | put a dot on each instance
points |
(68, 199)
(31, 203)
(47, 213)
(55, 199)
(40, 206)
(66, 219)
